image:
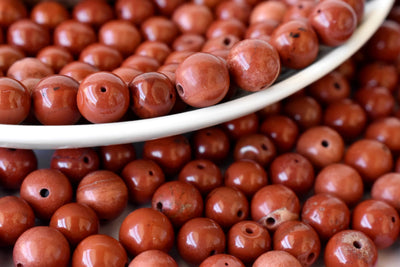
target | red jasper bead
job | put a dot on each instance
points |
(386, 188)
(247, 240)
(99, 250)
(28, 68)
(352, 248)
(210, 240)
(145, 229)
(142, 178)
(54, 100)
(166, 8)
(152, 95)
(321, 145)
(15, 165)
(226, 27)
(282, 130)
(274, 204)
(192, 18)
(31, 245)
(296, 43)
(141, 63)
(28, 36)
(154, 49)
(257, 147)
(93, 12)
(16, 216)
(203, 174)
(170, 153)
(202, 80)
(49, 14)
(160, 29)
(103, 57)
(327, 214)
(331, 30)
(221, 260)
(179, 201)
(55, 56)
(385, 130)
(304, 110)
(378, 220)
(276, 258)
(75, 221)
(103, 191)
(78, 70)
(189, 42)
(378, 102)
(246, 175)
(103, 97)
(269, 10)
(75, 163)
(299, 10)
(135, 11)
(210, 143)
(261, 30)
(115, 157)
(233, 9)
(126, 74)
(153, 258)
(377, 74)
(251, 71)
(16, 101)
(242, 126)
(347, 117)
(294, 171)
(8, 55)
(46, 190)
(11, 11)
(362, 155)
(342, 181)
(224, 42)
(299, 239)
(226, 206)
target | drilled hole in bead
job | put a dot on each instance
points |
(336, 86)
(311, 257)
(20, 265)
(86, 160)
(200, 166)
(270, 221)
(44, 192)
(159, 206)
(213, 252)
(393, 219)
(324, 143)
(227, 41)
(151, 173)
(264, 147)
(103, 89)
(249, 230)
(11, 149)
(357, 245)
(226, 264)
(171, 96)
(239, 213)
(208, 133)
(179, 89)
(296, 160)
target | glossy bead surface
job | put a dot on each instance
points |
(160, 29)
(385, 130)
(246, 175)
(15, 165)
(28, 36)
(326, 214)
(103, 97)
(342, 181)
(334, 21)
(294, 171)
(226, 27)
(141, 63)
(386, 188)
(78, 70)
(304, 110)
(152, 95)
(46, 190)
(226, 206)
(94, 13)
(257, 147)
(103, 191)
(30, 246)
(49, 14)
(154, 49)
(54, 100)
(167, 7)
(299, 239)
(179, 201)
(115, 157)
(361, 156)
(210, 240)
(233, 9)
(16, 101)
(75, 163)
(27, 68)
(321, 145)
(247, 240)
(153, 258)
(54, 56)
(8, 55)
(135, 11)
(99, 250)
(75, 221)
(11, 11)
(126, 74)
(378, 73)
(242, 126)
(211, 144)
(378, 220)
(16, 216)
(102, 56)
(249, 70)
(351, 248)
(192, 18)
(192, 42)
(269, 10)
(145, 229)
(142, 178)
(203, 174)
(202, 80)
(274, 204)
(276, 258)
(170, 153)
(377, 102)
(221, 260)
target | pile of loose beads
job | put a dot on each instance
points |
(101, 62)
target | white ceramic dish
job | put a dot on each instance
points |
(89, 135)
